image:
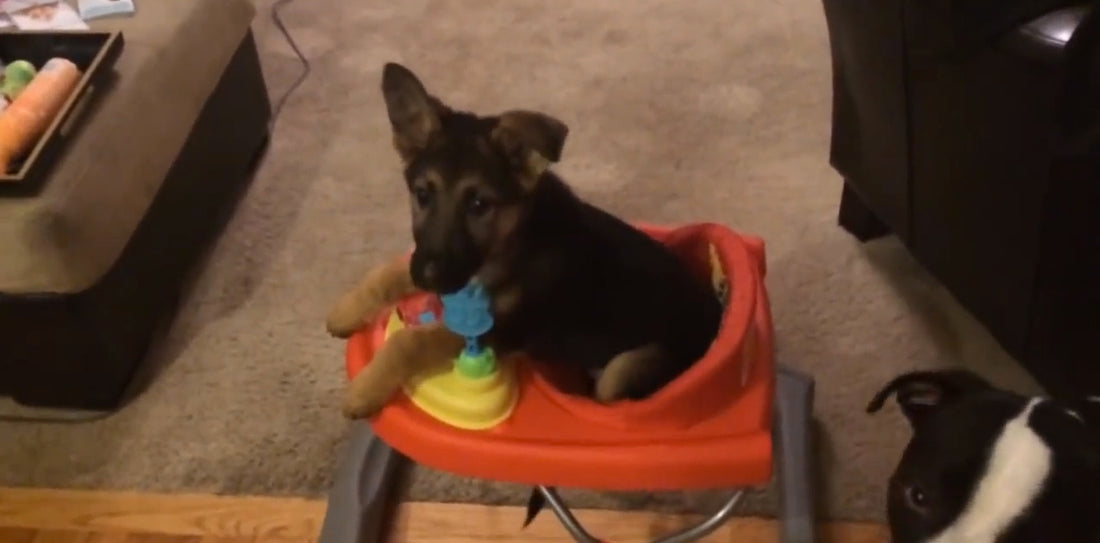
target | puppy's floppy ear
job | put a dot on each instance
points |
(414, 114)
(922, 392)
(531, 139)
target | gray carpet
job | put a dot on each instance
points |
(680, 111)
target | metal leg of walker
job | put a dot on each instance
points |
(686, 535)
(360, 499)
(794, 402)
(362, 491)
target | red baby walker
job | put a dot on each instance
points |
(718, 425)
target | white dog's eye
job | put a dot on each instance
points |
(916, 498)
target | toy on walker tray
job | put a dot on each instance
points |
(506, 420)
(478, 392)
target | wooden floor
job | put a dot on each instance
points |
(63, 516)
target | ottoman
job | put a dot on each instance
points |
(92, 263)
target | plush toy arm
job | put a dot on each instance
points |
(405, 354)
(382, 286)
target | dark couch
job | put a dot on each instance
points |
(971, 130)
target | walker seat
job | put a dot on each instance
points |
(709, 428)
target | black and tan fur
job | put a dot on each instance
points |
(570, 283)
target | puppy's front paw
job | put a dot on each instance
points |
(348, 316)
(358, 405)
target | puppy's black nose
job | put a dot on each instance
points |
(431, 272)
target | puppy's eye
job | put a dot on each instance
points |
(477, 206)
(916, 498)
(423, 196)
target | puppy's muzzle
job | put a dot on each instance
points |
(441, 274)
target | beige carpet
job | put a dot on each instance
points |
(680, 111)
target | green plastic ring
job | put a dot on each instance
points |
(475, 366)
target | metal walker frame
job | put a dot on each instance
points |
(361, 497)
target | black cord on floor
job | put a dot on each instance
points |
(275, 17)
(276, 111)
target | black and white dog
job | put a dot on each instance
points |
(985, 465)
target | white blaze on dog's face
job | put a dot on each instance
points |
(989, 466)
(1014, 477)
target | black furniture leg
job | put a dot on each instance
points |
(857, 218)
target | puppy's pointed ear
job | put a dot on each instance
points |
(532, 140)
(414, 114)
(922, 392)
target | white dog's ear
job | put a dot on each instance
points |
(1088, 411)
(922, 392)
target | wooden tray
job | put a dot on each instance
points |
(94, 53)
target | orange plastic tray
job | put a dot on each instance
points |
(709, 428)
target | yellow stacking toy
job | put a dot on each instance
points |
(478, 391)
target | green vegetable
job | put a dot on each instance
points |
(17, 76)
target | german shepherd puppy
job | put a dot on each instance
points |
(568, 282)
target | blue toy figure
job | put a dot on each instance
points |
(476, 393)
(466, 313)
